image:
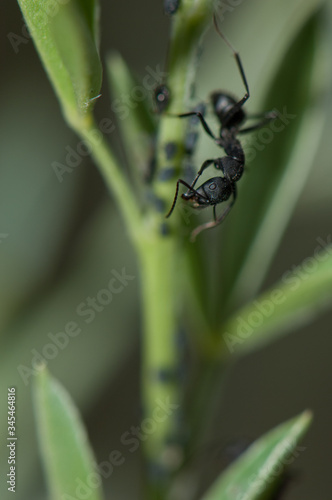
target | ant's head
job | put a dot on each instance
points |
(211, 192)
(222, 106)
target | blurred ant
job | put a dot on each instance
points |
(231, 116)
(161, 97)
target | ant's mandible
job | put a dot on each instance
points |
(231, 116)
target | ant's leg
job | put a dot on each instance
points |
(246, 96)
(190, 188)
(205, 165)
(217, 220)
(267, 117)
(201, 119)
(176, 196)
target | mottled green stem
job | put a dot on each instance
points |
(160, 256)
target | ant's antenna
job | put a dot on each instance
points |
(235, 53)
(215, 22)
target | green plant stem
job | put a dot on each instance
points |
(160, 257)
(161, 391)
(188, 27)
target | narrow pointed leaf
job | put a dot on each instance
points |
(66, 37)
(132, 105)
(258, 470)
(299, 297)
(65, 450)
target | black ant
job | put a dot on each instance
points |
(231, 116)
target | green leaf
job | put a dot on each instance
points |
(66, 37)
(258, 470)
(66, 453)
(282, 160)
(298, 298)
(132, 104)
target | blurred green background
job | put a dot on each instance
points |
(62, 240)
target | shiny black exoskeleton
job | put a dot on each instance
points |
(231, 116)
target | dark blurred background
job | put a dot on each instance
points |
(62, 240)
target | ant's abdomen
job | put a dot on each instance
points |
(222, 104)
